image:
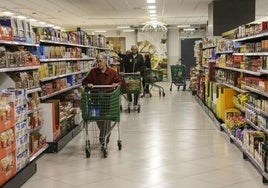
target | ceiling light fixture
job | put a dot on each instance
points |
(128, 30)
(189, 29)
(183, 26)
(100, 31)
(32, 20)
(150, 1)
(152, 15)
(8, 13)
(43, 23)
(123, 27)
(152, 11)
(150, 7)
(21, 17)
(154, 26)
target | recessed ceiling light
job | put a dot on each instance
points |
(8, 13)
(100, 31)
(128, 30)
(150, 1)
(183, 26)
(21, 17)
(189, 29)
(152, 11)
(123, 27)
(32, 20)
(151, 7)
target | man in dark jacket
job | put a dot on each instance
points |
(134, 63)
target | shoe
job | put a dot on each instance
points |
(136, 107)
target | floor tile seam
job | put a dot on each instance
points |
(207, 181)
(99, 180)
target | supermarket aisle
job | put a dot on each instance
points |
(171, 143)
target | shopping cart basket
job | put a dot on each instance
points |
(131, 85)
(101, 103)
(178, 76)
(151, 76)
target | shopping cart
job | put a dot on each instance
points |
(178, 76)
(131, 85)
(101, 103)
(151, 76)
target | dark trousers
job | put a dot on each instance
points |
(105, 128)
(136, 96)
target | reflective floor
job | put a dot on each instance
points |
(170, 143)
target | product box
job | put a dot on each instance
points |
(7, 167)
(225, 100)
(7, 142)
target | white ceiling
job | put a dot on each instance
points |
(98, 14)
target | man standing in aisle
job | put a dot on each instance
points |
(134, 63)
(102, 75)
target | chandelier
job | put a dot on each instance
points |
(154, 26)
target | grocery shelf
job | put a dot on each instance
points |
(264, 71)
(251, 37)
(249, 106)
(17, 43)
(66, 59)
(38, 153)
(239, 107)
(240, 70)
(224, 52)
(208, 47)
(34, 129)
(252, 54)
(34, 110)
(210, 113)
(239, 145)
(256, 91)
(60, 143)
(62, 43)
(259, 128)
(233, 87)
(28, 91)
(12, 69)
(59, 92)
(62, 75)
(100, 48)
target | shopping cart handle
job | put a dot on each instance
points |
(102, 86)
(129, 73)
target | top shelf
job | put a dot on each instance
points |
(208, 47)
(17, 43)
(70, 44)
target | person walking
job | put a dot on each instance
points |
(102, 75)
(147, 61)
(134, 63)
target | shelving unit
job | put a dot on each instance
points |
(240, 77)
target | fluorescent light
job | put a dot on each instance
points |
(32, 20)
(8, 13)
(123, 27)
(100, 31)
(152, 15)
(50, 25)
(21, 17)
(189, 29)
(150, 1)
(152, 11)
(183, 26)
(128, 30)
(57, 27)
(43, 23)
(151, 7)
(153, 18)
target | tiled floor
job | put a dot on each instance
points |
(171, 143)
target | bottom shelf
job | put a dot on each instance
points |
(59, 144)
(246, 154)
(22, 176)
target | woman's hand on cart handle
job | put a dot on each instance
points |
(114, 85)
(90, 85)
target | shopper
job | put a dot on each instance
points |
(147, 61)
(102, 75)
(134, 63)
